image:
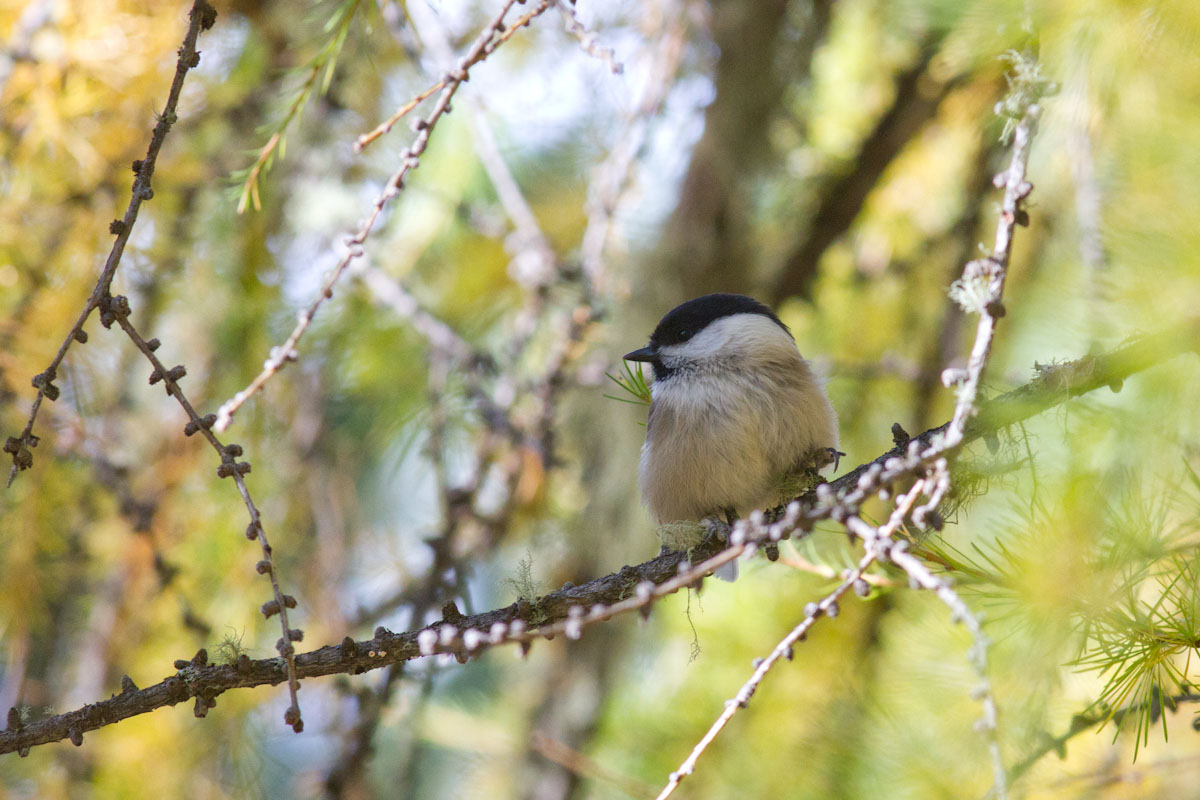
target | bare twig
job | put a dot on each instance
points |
(201, 17)
(494, 34)
(878, 540)
(983, 279)
(444, 575)
(345, 774)
(230, 468)
(441, 338)
(409, 160)
(578, 763)
(587, 39)
(960, 612)
(802, 564)
(980, 289)
(436, 332)
(612, 178)
(534, 263)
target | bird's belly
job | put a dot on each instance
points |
(690, 471)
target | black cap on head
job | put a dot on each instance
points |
(687, 319)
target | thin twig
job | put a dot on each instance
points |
(828, 606)
(570, 758)
(441, 338)
(960, 612)
(587, 39)
(230, 467)
(201, 17)
(433, 330)
(496, 33)
(802, 564)
(534, 262)
(345, 775)
(611, 180)
(989, 275)
(409, 160)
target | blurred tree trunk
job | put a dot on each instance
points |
(705, 246)
(918, 95)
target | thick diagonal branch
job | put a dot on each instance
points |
(571, 609)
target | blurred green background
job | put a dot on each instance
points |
(832, 159)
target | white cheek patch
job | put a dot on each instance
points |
(708, 343)
(737, 409)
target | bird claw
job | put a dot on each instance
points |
(826, 456)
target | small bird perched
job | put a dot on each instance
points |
(734, 410)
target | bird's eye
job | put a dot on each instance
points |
(684, 334)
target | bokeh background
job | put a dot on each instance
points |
(832, 159)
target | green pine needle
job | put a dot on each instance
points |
(633, 381)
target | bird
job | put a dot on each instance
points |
(734, 410)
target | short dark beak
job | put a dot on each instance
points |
(649, 353)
